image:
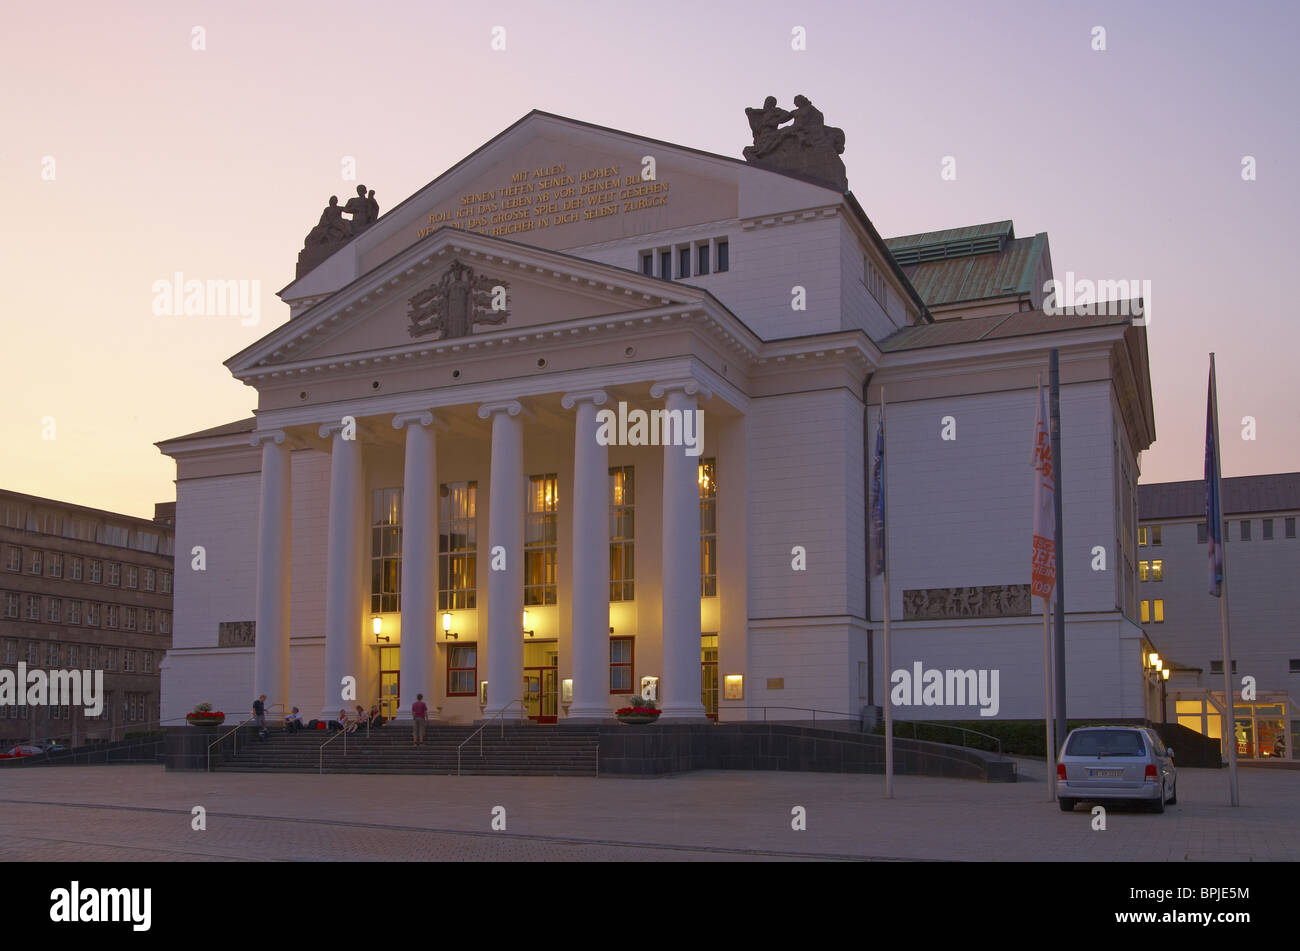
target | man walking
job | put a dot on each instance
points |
(420, 716)
(259, 716)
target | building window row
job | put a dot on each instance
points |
(687, 259)
(14, 514)
(1153, 612)
(458, 544)
(58, 655)
(75, 613)
(1148, 535)
(92, 570)
(1268, 528)
(1153, 570)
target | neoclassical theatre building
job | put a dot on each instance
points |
(425, 501)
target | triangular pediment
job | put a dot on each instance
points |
(561, 184)
(452, 285)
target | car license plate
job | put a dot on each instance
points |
(1105, 773)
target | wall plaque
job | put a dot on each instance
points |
(236, 633)
(1005, 600)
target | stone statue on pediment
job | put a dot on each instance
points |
(363, 214)
(808, 147)
(333, 230)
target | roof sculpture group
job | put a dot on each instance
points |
(333, 230)
(807, 147)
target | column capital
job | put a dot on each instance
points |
(261, 436)
(420, 417)
(595, 397)
(688, 385)
(327, 430)
(509, 407)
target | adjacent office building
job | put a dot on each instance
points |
(84, 589)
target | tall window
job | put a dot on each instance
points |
(33, 612)
(724, 259)
(462, 670)
(34, 563)
(96, 571)
(385, 551)
(457, 547)
(92, 614)
(110, 615)
(1245, 529)
(621, 657)
(708, 528)
(56, 565)
(114, 573)
(76, 569)
(132, 576)
(148, 579)
(1268, 529)
(51, 609)
(702, 258)
(165, 581)
(11, 604)
(540, 539)
(129, 619)
(622, 534)
(14, 558)
(74, 612)
(1158, 570)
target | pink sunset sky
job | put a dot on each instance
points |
(216, 163)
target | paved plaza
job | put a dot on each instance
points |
(143, 813)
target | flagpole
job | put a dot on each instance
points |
(1229, 731)
(889, 706)
(1049, 453)
(1047, 701)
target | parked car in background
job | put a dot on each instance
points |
(22, 750)
(1107, 763)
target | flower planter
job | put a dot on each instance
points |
(638, 717)
(208, 721)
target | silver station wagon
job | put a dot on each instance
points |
(1116, 762)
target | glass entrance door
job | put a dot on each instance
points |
(709, 674)
(390, 665)
(541, 682)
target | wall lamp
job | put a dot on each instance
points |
(446, 627)
(526, 630)
(377, 625)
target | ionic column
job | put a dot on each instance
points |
(505, 603)
(343, 571)
(590, 644)
(680, 682)
(271, 642)
(419, 559)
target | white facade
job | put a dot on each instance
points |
(781, 387)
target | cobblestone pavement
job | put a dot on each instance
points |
(143, 813)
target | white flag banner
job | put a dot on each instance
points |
(1044, 564)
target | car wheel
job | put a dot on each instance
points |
(1158, 804)
(1067, 805)
(1173, 794)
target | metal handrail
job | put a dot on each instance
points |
(234, 730)
(485, 725)
(343, 733)
(853, 716)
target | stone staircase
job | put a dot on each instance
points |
(516, 750)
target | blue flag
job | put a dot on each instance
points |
(1213, 507)
(878, 500)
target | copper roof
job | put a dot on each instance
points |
(997, 327)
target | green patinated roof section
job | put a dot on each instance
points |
(980, 262)
(951, 236)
